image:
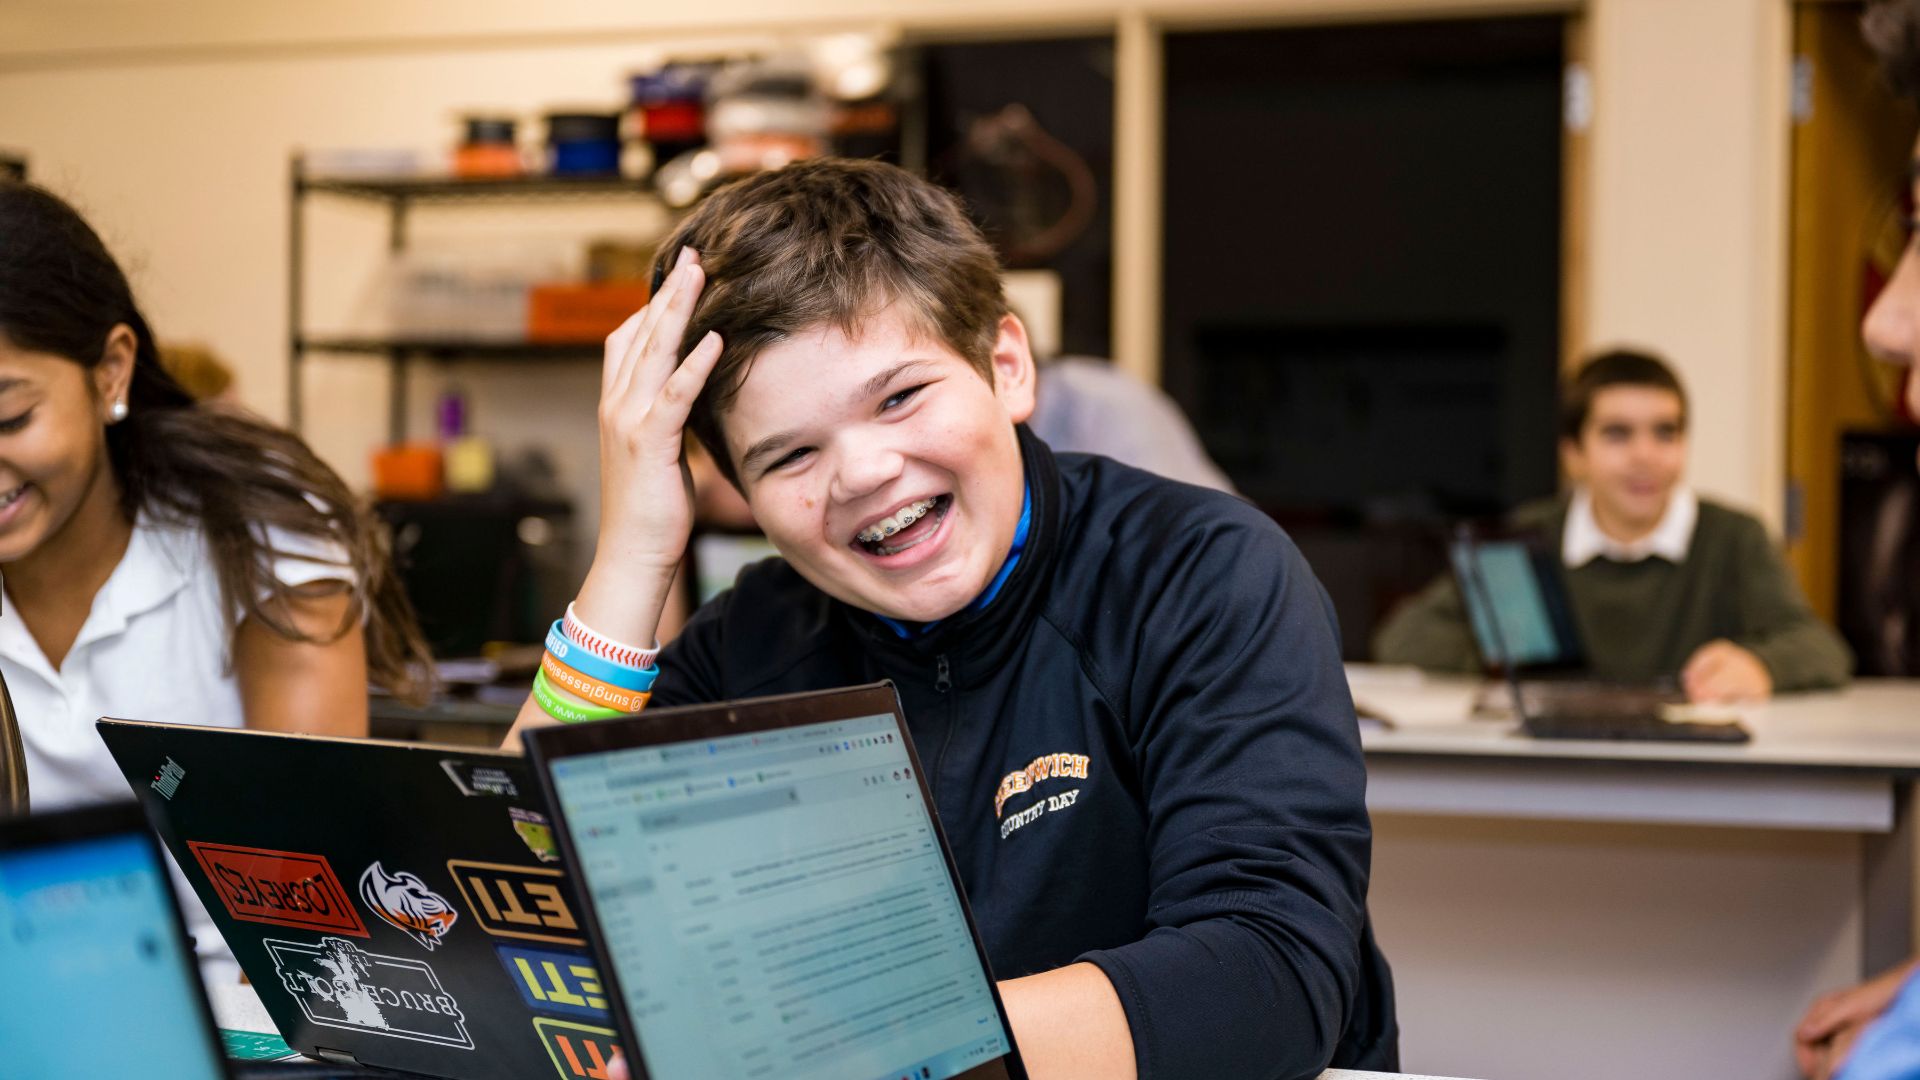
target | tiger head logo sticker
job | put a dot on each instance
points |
(405, 902)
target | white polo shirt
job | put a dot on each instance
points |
(154, 647)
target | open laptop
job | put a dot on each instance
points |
(1524, 628)
(397, 905)
(101, 979)
(770, 893)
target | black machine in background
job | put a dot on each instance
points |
(483, 568)
(1879, 600)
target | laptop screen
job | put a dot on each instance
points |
(100, 980)
(1500, 580)
(777, 904)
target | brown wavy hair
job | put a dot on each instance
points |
(232, 476)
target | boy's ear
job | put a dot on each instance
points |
(1013, 370)
(1573, 460)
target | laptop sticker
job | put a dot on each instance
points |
(555, 982)
(473, 778)
(579, 1052)
(404, 902)
(280, 888)
(517, 901)
(167, 780)
(535, 833)
(340, 986)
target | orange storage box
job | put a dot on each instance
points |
(586, 313)
(410, 471)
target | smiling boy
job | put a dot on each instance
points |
(1127, 691)
(1664, 584)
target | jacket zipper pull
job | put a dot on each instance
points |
(941, 677)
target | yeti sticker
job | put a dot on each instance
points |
(339, 986)
(407, 905)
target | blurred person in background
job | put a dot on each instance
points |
(1085, 405)
(1664, 585)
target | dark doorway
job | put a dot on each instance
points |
(1362, 279)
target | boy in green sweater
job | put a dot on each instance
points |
(1663, 583)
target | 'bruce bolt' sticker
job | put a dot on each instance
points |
(340, 986)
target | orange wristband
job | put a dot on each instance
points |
(591, 689)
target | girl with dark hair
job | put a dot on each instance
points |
(162, 560)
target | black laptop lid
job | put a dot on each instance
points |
(1516, 600)
(399, 904)
(770, 889)
(100, 979)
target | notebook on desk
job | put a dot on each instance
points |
(1524, 628)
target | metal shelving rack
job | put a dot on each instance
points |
(401, 196)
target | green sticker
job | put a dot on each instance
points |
(535, 833)
(255, 1045)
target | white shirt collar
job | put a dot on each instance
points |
(1582, 541)
(157, 564)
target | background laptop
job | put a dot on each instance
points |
(1523, 625)
(100, 978)
(395, 904)
(768, 887)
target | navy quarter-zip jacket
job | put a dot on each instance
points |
(1144, 756)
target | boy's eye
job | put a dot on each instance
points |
(15, 423)
(902, 397)
(792, 456)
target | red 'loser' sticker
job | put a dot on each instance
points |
(283, 888)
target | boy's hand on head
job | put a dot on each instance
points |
(646, 509)
(1722, 671)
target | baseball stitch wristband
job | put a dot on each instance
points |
(605, 647)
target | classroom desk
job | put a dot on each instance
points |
(1597, 910)
(1601, 909)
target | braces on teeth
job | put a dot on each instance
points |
(880, 530)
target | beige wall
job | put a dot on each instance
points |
(171, 125)
(1689, 218)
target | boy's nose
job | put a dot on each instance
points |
(864, 471)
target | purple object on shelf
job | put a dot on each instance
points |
(453, 415)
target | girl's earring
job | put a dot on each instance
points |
(117, 413)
